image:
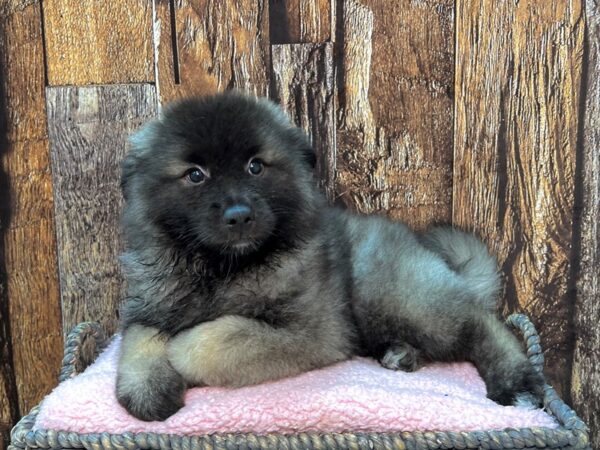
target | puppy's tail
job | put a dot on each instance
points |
(468, 256)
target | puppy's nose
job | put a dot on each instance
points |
(238, 216)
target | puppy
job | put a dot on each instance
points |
(239, 272)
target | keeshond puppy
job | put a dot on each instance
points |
(239, 272)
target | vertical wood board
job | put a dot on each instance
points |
(303, 83)
(395, 109)
(585, 385)
(32, 312)
(94, 41)
(516, 128)
(88, 128)
(300, 21)
(218, 45)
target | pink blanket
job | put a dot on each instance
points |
(356, 395)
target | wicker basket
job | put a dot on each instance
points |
(87, 340)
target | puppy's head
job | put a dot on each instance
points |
(227, 174)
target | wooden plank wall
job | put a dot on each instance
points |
(585, 384)
(394, 136)
(31, 332)
(88, 127)
(97, 42)
(477, 112)
(516, 131)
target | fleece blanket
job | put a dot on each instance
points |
(356, 395)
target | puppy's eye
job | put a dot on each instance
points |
(195, 176)
(256, 167)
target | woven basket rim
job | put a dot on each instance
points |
(572, 432)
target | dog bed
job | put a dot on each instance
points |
(354, 404)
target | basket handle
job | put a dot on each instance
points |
(531, 338)
(83, 345)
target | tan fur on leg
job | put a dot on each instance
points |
(237, 351)
(147, 385)
(140, 349)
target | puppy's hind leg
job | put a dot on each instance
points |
(508, 374)
(401, 356)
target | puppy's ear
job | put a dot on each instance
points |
(301, 142)
(310, 156)
(296, 136)
(140, 142)
(128, 168)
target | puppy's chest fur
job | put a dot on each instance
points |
(177, 295)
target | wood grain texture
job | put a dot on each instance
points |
(303, 83)
(33, 324)
(219, 45)
(95, 41)
(517, 100)
(88, 128)
(9, 398)
(395, 109)
(300, 21)
(585, 387)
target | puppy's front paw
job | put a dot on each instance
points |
(400, 357)
(154, 395)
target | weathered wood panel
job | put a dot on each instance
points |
(9, 399)
(585, 387)
(88, 128)
(517, 100)
(303, 83)
(218, 45)
(33, 324)
(301, 21)
(95, 41)
(395, 109)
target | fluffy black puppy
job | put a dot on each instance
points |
(239, 272)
